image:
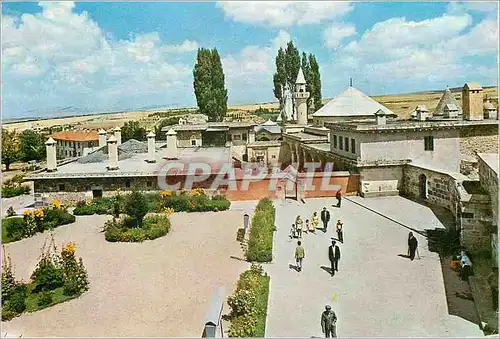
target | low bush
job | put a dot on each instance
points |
(58, 217)
(96, 206)
(11, 212)
(260, 243)
(200, 203)
(45, 298)
(17, 301)
(47, 276)
(249, 304)
(14, 229)
(153, 227)
(14, 191)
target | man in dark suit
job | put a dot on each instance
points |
(339, 197)
(334, 256)
(325, 218)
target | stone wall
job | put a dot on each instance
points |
(481, 139)
(489, 182)
(441, 187)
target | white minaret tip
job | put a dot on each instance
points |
(112, 139)
(101, 131)
(150, 134)
(171, 132)
(300, 77)
(117, 128)
(50, 141)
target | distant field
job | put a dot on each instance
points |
(401, 104)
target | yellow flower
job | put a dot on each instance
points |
(69, 248)
(55, 204)
(169, 211)
(165, 194)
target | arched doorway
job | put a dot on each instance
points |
(422, 184)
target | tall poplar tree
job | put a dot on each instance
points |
(316, 83)
(209, 85)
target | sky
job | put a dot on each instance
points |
(113, 56)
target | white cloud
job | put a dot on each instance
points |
(281, 39)
(186, 46)
(335, 33)
(488, 7)
(65, 57)
(284, 13)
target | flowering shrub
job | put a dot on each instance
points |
(55, 204)
(249, 304)
(166, 194)
(196, 192)
(169, 211)
(260, 243)
(153, 226)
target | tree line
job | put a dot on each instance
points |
(209, 79)
(25, 146)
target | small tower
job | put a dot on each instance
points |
(151, 147)
(490, 111)
(380, 118)
(51, 155)
(102, 138)
(112, 153)
(300, 95)
(172, 152)
(117, 132)
(472, 102)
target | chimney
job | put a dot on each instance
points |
(380, 117)
(112, 153)
(422, 113)
(51, 155)
(172, 144)
(118, 135)
(102, 138)
(151, 147)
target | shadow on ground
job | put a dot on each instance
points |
(458, 293)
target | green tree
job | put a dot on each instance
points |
(316, 83)
(279, 78)
(209, 85)
(136, 206)
(132, 130)
(10, 148)
(32, 145)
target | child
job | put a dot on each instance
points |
(315, 222)
(293, 231)
(308, 226)
(298, 226)
(299, 255)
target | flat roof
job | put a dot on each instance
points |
(136, 165)
(210, 125)
(371, 126)
(491, 159)
(303, 136)
(324, 147)
(267, 143)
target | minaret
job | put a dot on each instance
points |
(300, 95)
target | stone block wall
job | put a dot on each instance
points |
(481, 139)
(489, 182)
(441, 187)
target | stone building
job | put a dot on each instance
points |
(73, 143)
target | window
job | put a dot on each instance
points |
(78, 154)
(127, 183)
(353, 146)
(149, 183)
(229, 137)
(340, 143)
(61, 187)
(468, 215)
(244, 136)
(193, 142)
(429, 143)
(346, 143)
(237, 137)
(334, 141)
(273, 156)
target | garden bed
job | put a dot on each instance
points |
(260, 243)
(13, 187)
(35, 221)
(123, 230)
(58, 277)
(194, 201)
(249, 304)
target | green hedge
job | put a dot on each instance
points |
(16, 228)
(153, 227)
(249, 304)
(14, 191)
(157, 204)
(260, 243)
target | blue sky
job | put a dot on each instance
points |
(114, 56)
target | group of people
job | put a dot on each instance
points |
(310, 227)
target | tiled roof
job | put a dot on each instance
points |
(75, 136)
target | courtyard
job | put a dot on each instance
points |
(376, 292)
(159, 288)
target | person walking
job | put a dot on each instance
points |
(340, 233)
(299, 255)
(329, 322)
(298, 225)
(412, 245)
(308, 226)
(293, 232)
(339, 197)
(325, 218)
(334, 256)
(314, 222)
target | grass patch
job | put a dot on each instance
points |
(32, 299)
(260, 243)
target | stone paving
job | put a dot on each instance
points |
(158, 288)
(376, 292)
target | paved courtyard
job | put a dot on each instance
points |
(158, 288)
(376, 292)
